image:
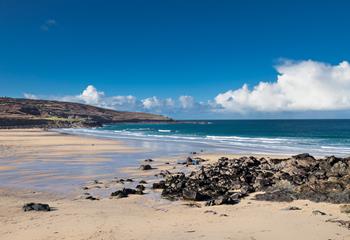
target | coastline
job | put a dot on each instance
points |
(139, 216)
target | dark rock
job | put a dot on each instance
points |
(191, 161)
(159, 185)
(189, 194)
(211, 211)
(146, 167)
(91, 198)
(149, 160)
(36, 207)
(222, 200)
(299, 177)
(119, 194)
(143, 182)
(303, 156)
(140, 187)
(276, 196)
(125, 192)
(291, 208)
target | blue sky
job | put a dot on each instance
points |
(168, 49)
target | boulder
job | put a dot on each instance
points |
(36, 207)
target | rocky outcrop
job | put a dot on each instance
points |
(27, 113)
(228, 180)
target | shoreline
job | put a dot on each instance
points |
(142, 216)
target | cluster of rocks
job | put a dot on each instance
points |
(228, 180)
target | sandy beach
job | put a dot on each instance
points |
(138, 216)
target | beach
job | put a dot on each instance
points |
(145, 216)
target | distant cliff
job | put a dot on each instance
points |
(27, 113)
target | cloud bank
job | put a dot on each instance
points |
(300, 86)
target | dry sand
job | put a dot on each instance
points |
(143, 217)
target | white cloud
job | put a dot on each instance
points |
(300, 86)
(187, 102)
(91, 96)
(30, 96)
(120, 102)
(151, 102)
(160, 105)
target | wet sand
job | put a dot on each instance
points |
(139, 217)
(43, 159)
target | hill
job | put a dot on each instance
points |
(27, 113)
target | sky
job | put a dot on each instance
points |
(185, 59)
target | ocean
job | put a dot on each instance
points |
(318, 137)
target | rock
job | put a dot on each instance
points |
(191, 161)
(188, 161)
(299, 177)
(129, 180)
(345, 208)
(36, 207)
(292, 208)
(222, 200)
(318, 212)
(303, 156)
(119, 194)
(276, 196)
(211, 211)
(149, 160)
(159, 185)
(140, 187)
(143, 182)
(125, 192)
(189, 194)
(91, 198)
(121, 181)
(146, 167)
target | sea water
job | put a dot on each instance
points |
(318, 137)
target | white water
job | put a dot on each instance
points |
(232, 144)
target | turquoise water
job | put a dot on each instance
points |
(320, 137)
